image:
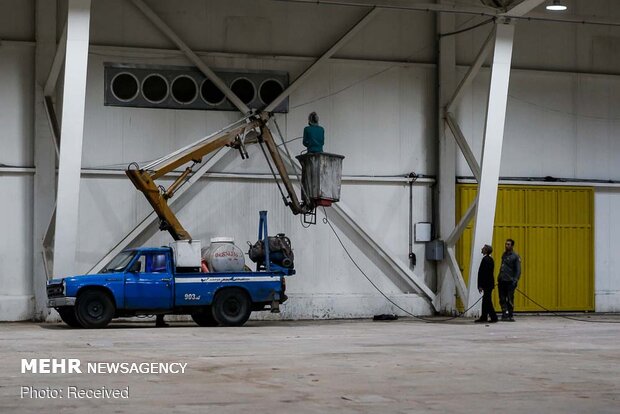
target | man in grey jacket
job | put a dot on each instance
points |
(507, 281)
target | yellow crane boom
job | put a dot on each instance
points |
(144, 179)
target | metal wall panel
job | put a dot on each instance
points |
(370, 112)
(553, 232)
(17, 19)
(557, 124)
(16, 105)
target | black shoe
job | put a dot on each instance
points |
(493, 321)
(480, 321)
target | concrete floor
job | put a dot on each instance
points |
(536, 365)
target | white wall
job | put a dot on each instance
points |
(16, 126)
(557, 124)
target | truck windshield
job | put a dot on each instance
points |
(119, 262)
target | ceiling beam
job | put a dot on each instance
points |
(523, 8)
(193, 57)
(320, 61)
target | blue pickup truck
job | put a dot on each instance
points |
(144, 281)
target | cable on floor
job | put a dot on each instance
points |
(427, 320)
(572, 318)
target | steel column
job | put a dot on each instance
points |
(445, 210)
(72, 130)
(491, 154)
(44, 152)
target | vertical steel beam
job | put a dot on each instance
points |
(491, 153)
(446, 75)
(72, 131)
(44, 150)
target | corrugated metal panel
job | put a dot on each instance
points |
(552, 229)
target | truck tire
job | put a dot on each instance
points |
(67, 314)
(232, 307)
(204, 318)
(94, 309)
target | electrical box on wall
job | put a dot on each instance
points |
(422, 232)
(434, 250)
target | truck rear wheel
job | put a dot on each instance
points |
(232, 307)
(67, 314)
(94, 309)
(204, 318)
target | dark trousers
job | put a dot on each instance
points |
(506, 292)
(488, 311)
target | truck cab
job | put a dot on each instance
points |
(145, 281)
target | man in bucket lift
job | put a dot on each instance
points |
(314, 134)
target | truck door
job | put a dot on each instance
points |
(148, 283)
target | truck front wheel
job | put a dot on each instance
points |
(232, 307)
(67, 314)
(204, 318)
(94, 309)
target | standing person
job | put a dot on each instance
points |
(314, 134)
(507, 280)
(486, 283)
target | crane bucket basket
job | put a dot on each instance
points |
(321, 174)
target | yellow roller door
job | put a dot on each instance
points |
(553, 232)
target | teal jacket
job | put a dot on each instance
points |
(314, 138)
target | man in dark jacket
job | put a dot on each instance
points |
(486, 283)
(509, 274)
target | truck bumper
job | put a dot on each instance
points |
(58, 302)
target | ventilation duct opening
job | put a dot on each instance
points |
(210, 93)
(270, 90)
(244, 89)
(155, 88)
(125, 87)
(184, 89)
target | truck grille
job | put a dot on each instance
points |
(54, 291)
